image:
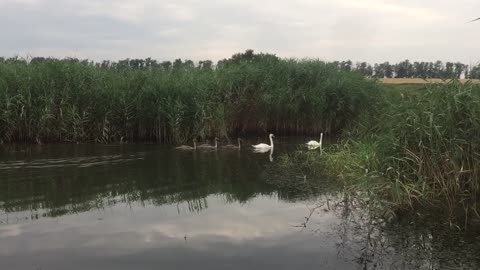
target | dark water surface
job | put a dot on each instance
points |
(153, 207)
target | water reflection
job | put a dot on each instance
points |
(155, 176)
(144, 206)
(265, 150)
(365, 237)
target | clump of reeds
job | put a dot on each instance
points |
(423, 148)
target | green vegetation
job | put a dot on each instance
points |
(422, 151)
(67, 100)
(411, 146)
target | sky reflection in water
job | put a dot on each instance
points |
(149, 207)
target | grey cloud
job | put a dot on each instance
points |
(371, 30)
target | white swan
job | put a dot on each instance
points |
(265, 150)
(209, 146)
(187, 147)
(263, 145)
(231, 146)
(314, 144)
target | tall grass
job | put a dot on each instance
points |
(423, 148)
(72, 101)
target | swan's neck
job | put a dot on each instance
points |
(271, 141)
(239, 145)
(216, 144)
(194, 145)
(321, 137)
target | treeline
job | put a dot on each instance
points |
(404, 69)
(407, 69)
(69, 100)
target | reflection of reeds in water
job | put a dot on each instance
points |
(371, 239)
(159, 178)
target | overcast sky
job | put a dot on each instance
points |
(360, 30)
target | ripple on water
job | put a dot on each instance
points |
(79, 162)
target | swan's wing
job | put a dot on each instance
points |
(312, 143)
(262, 145)
(261, 150)
(204, 145)
(229, 146)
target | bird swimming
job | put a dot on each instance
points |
(264, 145)
(188, 147)
(314, 144)
(232, 146)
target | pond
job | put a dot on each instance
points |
(154, 207)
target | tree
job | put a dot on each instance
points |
(404, 69)
(166, 65)
(363, 69)
(177, 64)
(388, 70)
(475, 72)
(448, 73)
(369, 70)
(346, 65)
(106, 64)
(151, 63)
(378, 71)
(248, 57)
(221, 63)
(123, 63)
(459, 70)
(205, 65)
(438, 70)
(420, 70)
(188, 65)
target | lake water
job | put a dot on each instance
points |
(154, 207)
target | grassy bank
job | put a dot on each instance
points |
(417, 155)
(422, 151)
(71, 101)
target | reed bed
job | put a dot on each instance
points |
(423, 148)
(73, 101)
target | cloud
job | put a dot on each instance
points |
(370, 30)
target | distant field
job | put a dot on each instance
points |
(400, 81)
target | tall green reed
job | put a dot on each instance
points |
(73, 101)
(423, 147)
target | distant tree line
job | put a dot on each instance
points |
(404, 69)
(407, 69)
